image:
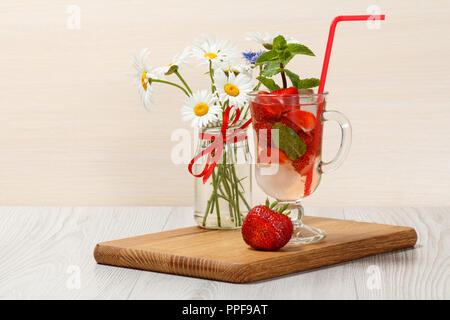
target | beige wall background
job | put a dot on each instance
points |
(73, 131)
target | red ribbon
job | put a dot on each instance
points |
(215, 149)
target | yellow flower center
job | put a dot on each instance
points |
(231, 90)
(210, 55)
(201, 109)
(143, 78)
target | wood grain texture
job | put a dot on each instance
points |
(73, 131)
(222, 255)
(38, 245)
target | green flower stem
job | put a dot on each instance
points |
(170, 83)
(223, 192)
(184, 82)
(211, 75)
(223, 188)
(216, 180)
(213, 203)
(257, 86)
(246, 113)
(231, 207)
(234, 195)
(236, 183)
(218, 212)
(240, 192)
(224, 197)
(208, 205)
(229, 197)
(245, 201)
(259, 82)
(213, 86)
(226, 187)
(237, 212)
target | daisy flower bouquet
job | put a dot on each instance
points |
(222, 163)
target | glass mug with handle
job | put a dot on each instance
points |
(288, 140)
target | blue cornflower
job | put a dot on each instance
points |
(252, 56)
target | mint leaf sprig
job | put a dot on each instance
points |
(289, 141)
(274, 62)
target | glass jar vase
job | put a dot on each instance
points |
(223, 201)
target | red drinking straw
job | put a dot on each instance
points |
(323, 78)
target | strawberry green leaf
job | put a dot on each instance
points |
(284, 208)
(269, 83)
(289, 141)
(273, 205)
(308, 83)
(296, 48)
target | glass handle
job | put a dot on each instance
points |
(346, 140)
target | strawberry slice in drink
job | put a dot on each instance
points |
(286, 91)
(265, 108)
(266, 112)
(262, 98)
(303, 164)
(269, 106)
(307, 137)
(288, 99)
(300, 120)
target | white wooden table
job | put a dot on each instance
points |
(46, 253)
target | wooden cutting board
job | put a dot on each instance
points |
(223, 255)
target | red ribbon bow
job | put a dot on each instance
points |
(215, 149)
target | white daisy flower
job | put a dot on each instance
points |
(219, 52)
(178, 61)
(142, 77)
(200, 109)
(266, 38)
(233, 88)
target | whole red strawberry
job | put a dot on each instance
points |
(266, 229)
